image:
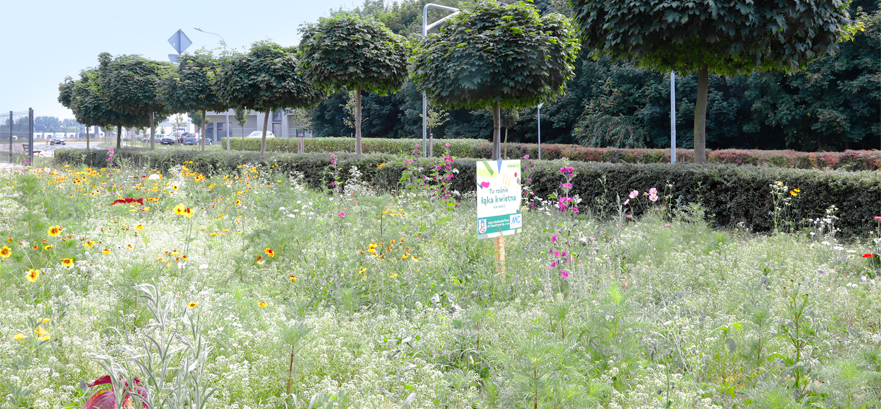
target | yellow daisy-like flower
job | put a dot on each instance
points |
(67, 262)
(793, 192)
(393, 275)
(20, 336)
(130, 246)
(41, 331)
(261, 304)
(179, 209)
(292, 278)
(140, 227)
(54, 230)
(88, 244)
(106, 251)
(414, 258)
(33, 275)
(193, 305)
(45, 320)
(5, 252)
(260, 260)
(44, 338)
(188, 212)
(47, 247)
(269, 252)
(362, 270)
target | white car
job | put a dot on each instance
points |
(259, 134)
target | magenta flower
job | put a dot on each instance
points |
(564, 274)
(525, 156)
(106, 398)
(342, 214)
(554, 239)
(877, 218)
(667, 225)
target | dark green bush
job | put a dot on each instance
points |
(475, 148)
(731, 194)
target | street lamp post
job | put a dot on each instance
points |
(223, 43)
(425, 28)
(539, 130)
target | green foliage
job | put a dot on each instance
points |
(89, 104)
(732, 195)
(264, 79)
(496, 54)
(729, 37)
(471, 148)
(346, 51)
(131, 83)
(188, 88)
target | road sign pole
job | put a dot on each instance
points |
(31, 136)
(10, 136)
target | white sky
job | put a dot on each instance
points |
(41, 41)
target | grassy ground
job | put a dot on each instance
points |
(272, 295)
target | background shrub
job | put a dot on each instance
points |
(475, 148)
(730, 194)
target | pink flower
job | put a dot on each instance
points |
(564, 274)
(653, 191)
(626, 201)
(653, 197)
(629, 216)
(877, 217)
(667, 225)
(554, 264)
(106, 398)
(447, 144)
(634, 194)
(332, 156)
(554, 239)
(342, 214)
(525, 156)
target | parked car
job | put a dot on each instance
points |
(57, 140)
(259, 134)
(146, 138)
(193, 139)
(167, 140)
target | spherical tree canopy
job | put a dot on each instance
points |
(131, 83)
(188, 88)
(727, 36)
(89, 104)
(346, 50)
(492, 53)
(264, 79)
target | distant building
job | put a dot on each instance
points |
(281, 125)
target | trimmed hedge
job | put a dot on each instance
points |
(731, 194)
(475, 148)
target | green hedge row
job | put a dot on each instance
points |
(731, 194)
(474, 148)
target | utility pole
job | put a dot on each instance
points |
(425, 28)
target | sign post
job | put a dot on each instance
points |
(499, 195)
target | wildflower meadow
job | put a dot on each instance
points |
(122, 287)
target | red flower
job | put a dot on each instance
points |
(129, 200)
(868, 255)
(106, 398)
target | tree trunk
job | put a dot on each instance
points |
(506, 142)
(202, 139)
(118, 136)
(301, 146)
(263, 142)
(152, 133)
(87, 138)
(496, 132)
(243, 137)
(358, 121)
(700, 115)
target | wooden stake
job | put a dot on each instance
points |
(499, 246)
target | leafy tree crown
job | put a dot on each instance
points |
(188, 88)
(492, 53)
(89, 104)
(727, 36)
(345, 51)
(264, 79)
(130, 83)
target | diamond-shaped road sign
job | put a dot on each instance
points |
(179, 41)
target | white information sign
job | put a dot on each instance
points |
(499, 196)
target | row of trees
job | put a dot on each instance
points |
(832, 104)
(489, 56)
